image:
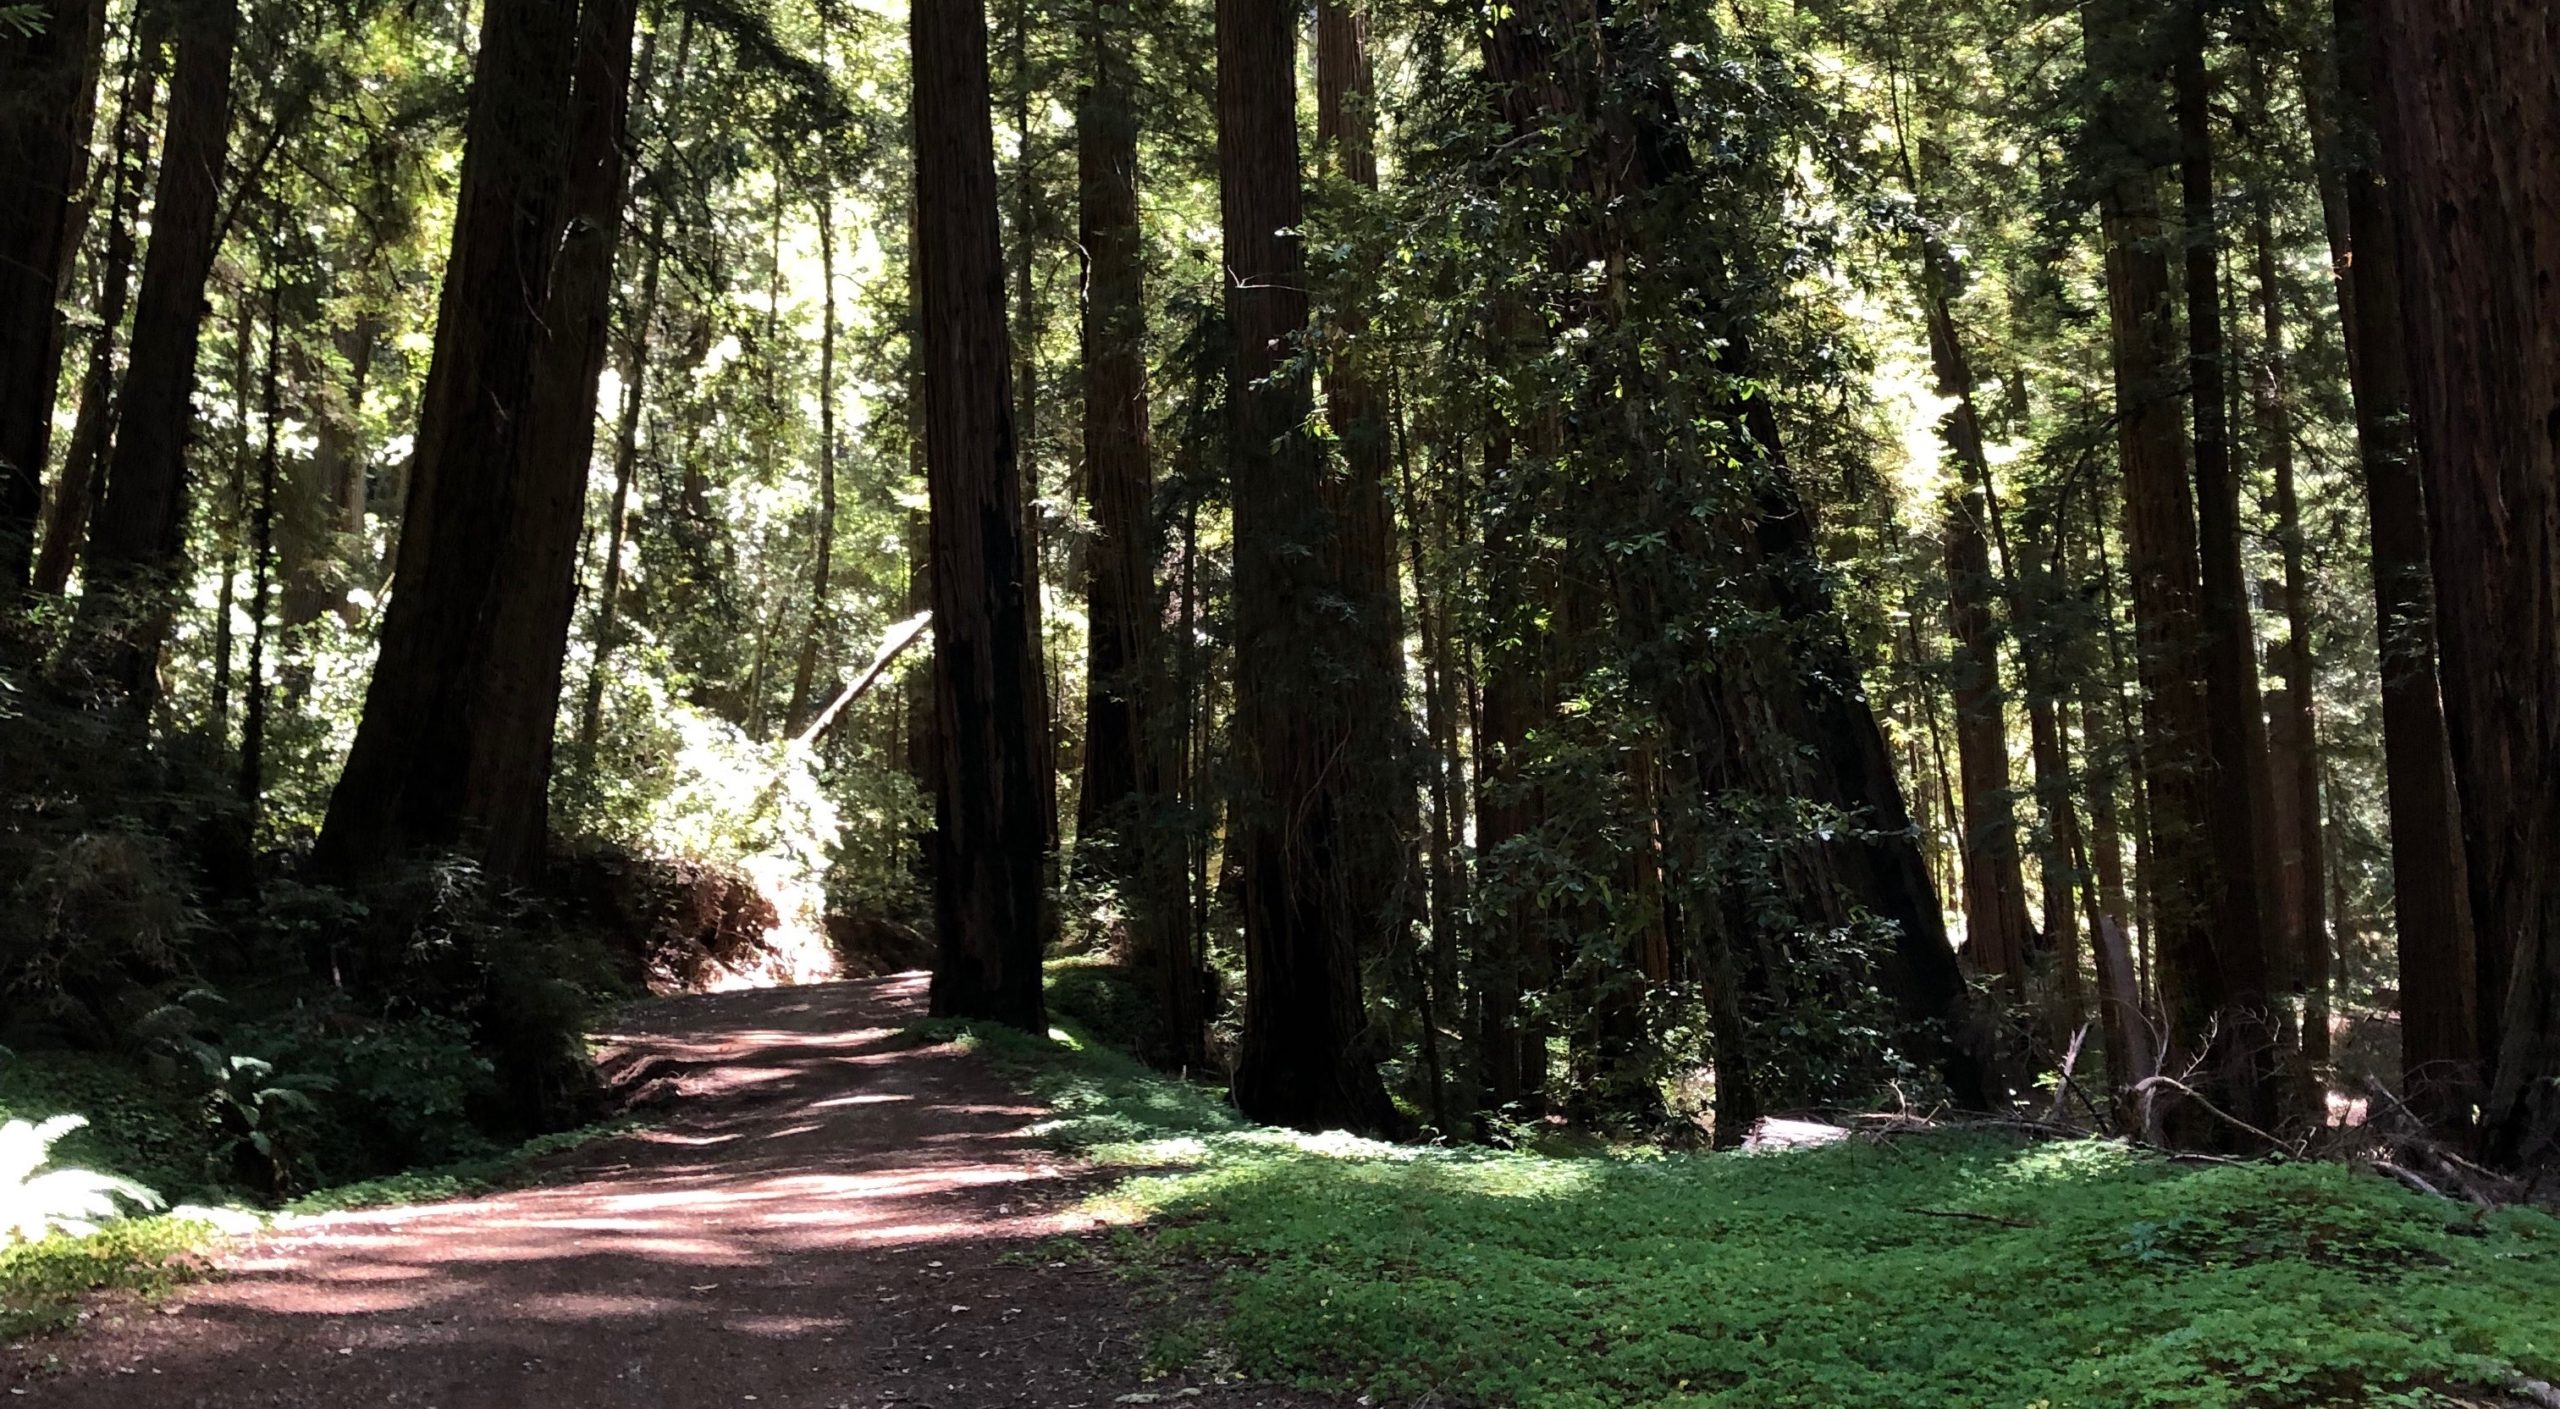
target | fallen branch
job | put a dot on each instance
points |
(1971, 1216)
(892, 646)
(2151, 1082)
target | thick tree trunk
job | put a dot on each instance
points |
(991, 827)
(48, 95)
(454, 749)
(2441, 1051)
(2187, 872)
(1305, 1059)
(137, 542)
(2469, 136)
(66, 527)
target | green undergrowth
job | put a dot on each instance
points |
(43, 1283)
(1955, 1269)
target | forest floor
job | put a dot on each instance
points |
(833, 1214)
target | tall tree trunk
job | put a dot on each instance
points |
(48, 96)
(991, 828)
(2470, 128)
(66, 526)
(262, 544)
(2441, 1018)
(2226, 1007)
(640, 325)
(137, 543)
(1384, 805)
(2184, 874)
(804, 671)
(2294, 769)
(1026, 411)
(1305, 1059)
(1120, 604)
(454, 748)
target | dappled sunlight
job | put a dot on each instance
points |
(800, 1141)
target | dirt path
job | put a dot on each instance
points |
(829, 1219)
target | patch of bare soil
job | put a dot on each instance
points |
(830, 1219)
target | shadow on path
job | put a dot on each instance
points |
(833, 1217)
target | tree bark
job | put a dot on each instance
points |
(991, 826)
(137, 541)
(804, 671)
(454, 748)
(2224, 1007)
(1119, 478)
(2471, 125)
(1384, 803)
(66, 527)
(2441, 1047)
(1305, 1059)
(48, 95)
(2303, 942)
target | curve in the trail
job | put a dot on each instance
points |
(831, 1217)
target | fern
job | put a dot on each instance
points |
(35, 1202)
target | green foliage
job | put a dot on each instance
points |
(41, 1283)
(1945, 1270)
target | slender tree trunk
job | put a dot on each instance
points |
(2230, 1001)
(1120, 599)
(48, 95)
(991, 829)
(2470, 127)
(262, 543)
(640, 326)
(454, 748)
(804, 671)
(1305, 1060)
(2295, 769)
(1384, 802)
(2441, 993)
(67, 526)
(137, 543)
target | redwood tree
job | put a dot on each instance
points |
(1304, 1061)
(991, 798)
(2471, 143)
(2440, 994)
(48, 93)
(454, 749)
(137, 540)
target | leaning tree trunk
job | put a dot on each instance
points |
(137, 540)
(2470, 131)
(454, 749)
(1305, 1060)
(48, 94)
(991, 813)
(2441, 1049)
